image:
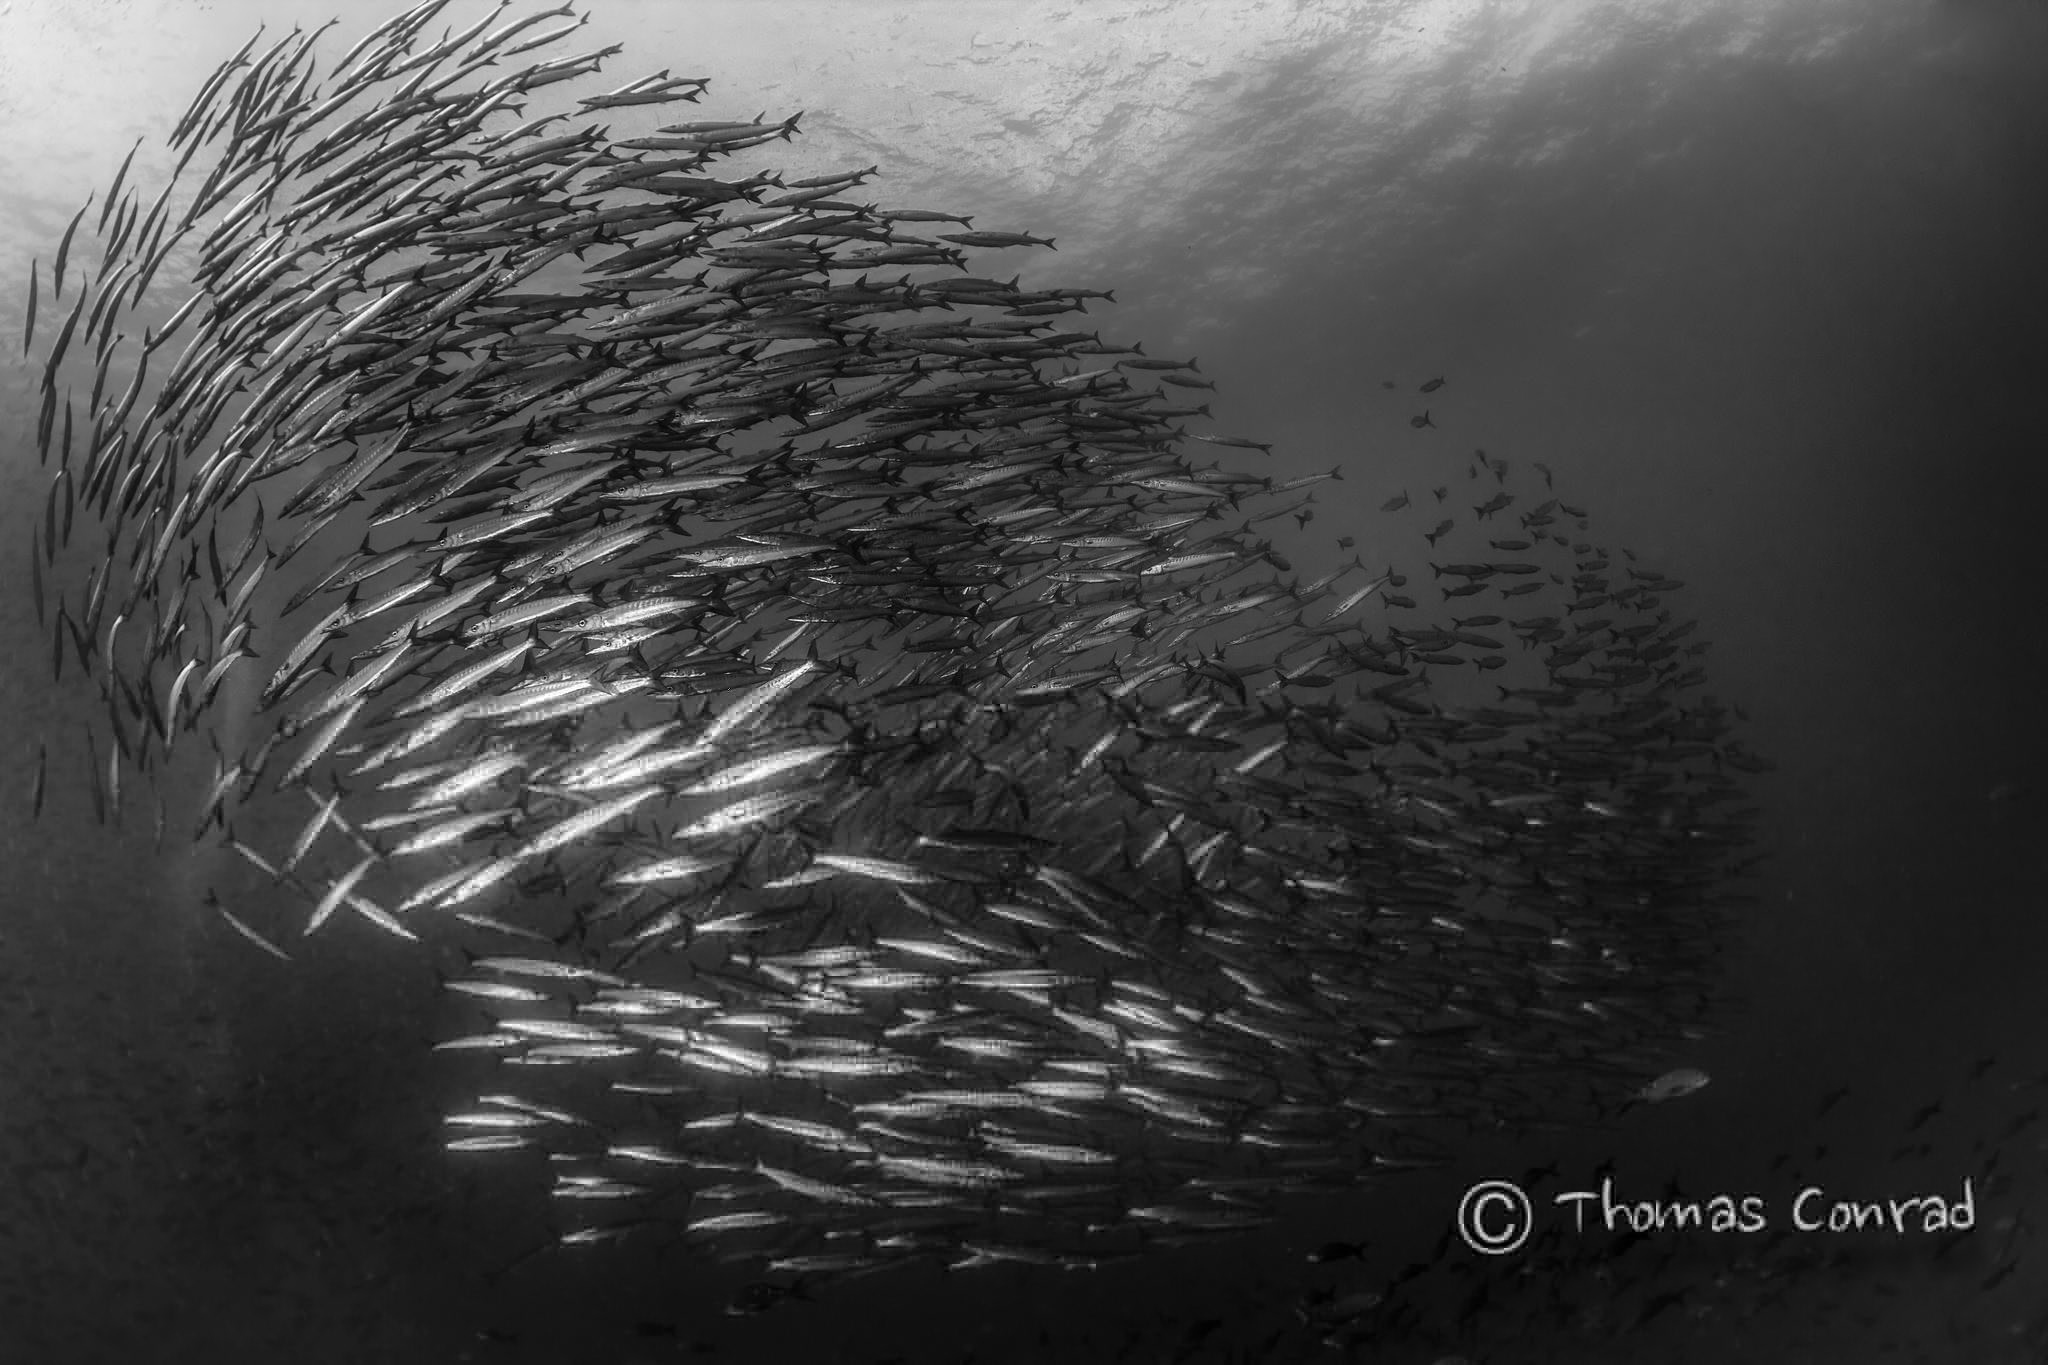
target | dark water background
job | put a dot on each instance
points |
(1763, 284)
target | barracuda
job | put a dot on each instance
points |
(834, 656)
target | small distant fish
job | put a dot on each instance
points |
(245, 931)
(1395, 504)
(64, 251)
(1433, 385)
(28, 331)
(1354, 1304)
(1422, 421)
(1336, 1251)
(762, 1295)
(1441, 528)
(1673, 1085)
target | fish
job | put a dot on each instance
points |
(114, 190)
(64, 251)
(1432, 385)
(1421, 420)
(1336, 1251)
(760, 1296)
(338, 892)
(820, 695)
(234, 922)
(996, 239)
(1673, 1085)
(28, 326)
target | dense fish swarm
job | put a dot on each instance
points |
(889, 801)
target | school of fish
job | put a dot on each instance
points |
(887, 796)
